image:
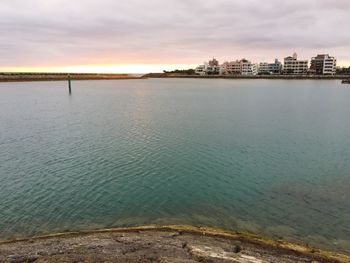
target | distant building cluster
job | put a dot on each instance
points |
(320, 65)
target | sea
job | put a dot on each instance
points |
(270, 157)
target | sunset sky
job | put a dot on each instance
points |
(148, 36)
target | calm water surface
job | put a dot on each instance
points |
(267, 156)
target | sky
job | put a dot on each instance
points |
(138, 36)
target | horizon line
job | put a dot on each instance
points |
(107, 69)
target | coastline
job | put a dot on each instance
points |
(23, 77)
(285, 77)
(198, 242)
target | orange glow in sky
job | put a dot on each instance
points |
(139, 36)
(125, 68)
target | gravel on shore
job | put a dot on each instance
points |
(160, 244)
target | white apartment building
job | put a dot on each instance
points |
(249, 69)
(270, 68)
(294, 66)
(263, 68)
(200, 70)
(323, 65)
(240, 67)
(209, 68)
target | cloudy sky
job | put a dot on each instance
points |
(149, 35)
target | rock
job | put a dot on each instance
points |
(236, 249)
(152, 246)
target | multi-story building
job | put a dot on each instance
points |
(276, 67)
(213, 62)
(201, 70)
(239, 67)
(248, 68)
(263, 68)
(232, 68)
(323, 65)
(270, 68)
(294, 66)
(211, 68)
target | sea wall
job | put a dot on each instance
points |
(320, 77)
(11, 77)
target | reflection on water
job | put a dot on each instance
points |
(263, 156)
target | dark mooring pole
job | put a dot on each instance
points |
(69, 84)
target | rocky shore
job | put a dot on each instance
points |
(160, 244)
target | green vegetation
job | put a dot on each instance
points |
(343, 71)
(181, 71)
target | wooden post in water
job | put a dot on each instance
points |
(69, 84)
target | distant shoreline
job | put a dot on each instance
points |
(288, 77)
(23, 77)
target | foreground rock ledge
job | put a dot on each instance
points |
(159, 244)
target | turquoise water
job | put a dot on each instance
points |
(266, 156)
